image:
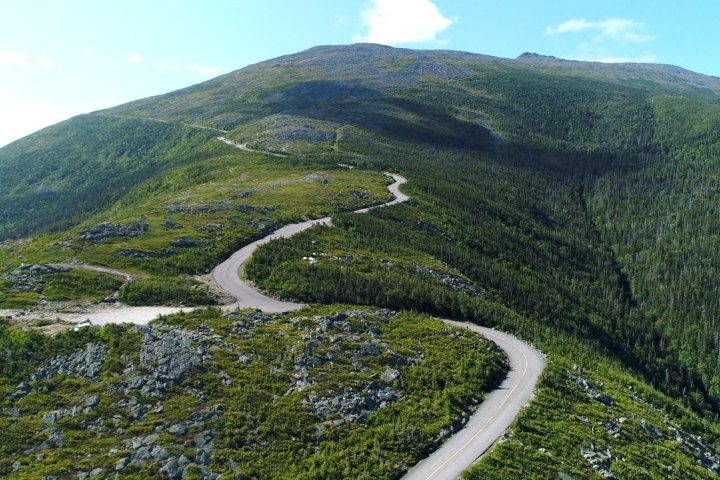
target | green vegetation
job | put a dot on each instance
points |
(165, 291)
(84, 164)
(186, 221)
(80, 284)
(26, 289)
(265, 422)
(574, 205)
(630, 438)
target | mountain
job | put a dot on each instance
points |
(571, 203)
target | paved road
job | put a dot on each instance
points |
(227, 275)
(494, 415)
(461, 450)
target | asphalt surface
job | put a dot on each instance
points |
(227, 274)
(494, 415)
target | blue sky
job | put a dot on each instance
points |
(61, 58)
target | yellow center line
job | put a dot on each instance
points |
(507, 397)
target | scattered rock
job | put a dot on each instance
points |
(651, 429)
(604, 399)
(178, 430)
(86, 363)
(390, 375)
(141, 455)
(203, 439)
(170, 225)
(35, 269)
(122, 463)
(355, 407)
(456, 283)
(601, 460)
(115, 230)
(184, 242)
(132, 253)
(96, 472)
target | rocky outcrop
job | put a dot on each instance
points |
(114, 230)
(456, 283)
(87, 363)
(30, 277)
(167, 354)
(354, 406)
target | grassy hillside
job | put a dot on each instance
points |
(572, 204)
(52, 179)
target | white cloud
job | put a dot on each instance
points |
(11, 58)
(402, 21)
(135, 58)
(45, 63)
(620, 29)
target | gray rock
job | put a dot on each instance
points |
(351, 406)
(170, 355)
(122, 463)
(96, 472)
(651, 429)
(202, 457)
(172, 469)
(141, 455)
(51, 417)
(184, 242)
(114, 230)
(159, 453)
(601, 460)
(246, 359)
(150, 439)
(203, 439)
(390, 375)
(21, 390)
(92, 401)
(369, 350)
(456, 283)
(137, 412)
(86, 363)
(178, 430)
(604, 399)
(57, 438)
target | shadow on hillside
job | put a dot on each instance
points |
(399, 118)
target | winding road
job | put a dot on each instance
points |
(494, 415)
(227, 274)
(485, 426)
(496, 412)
